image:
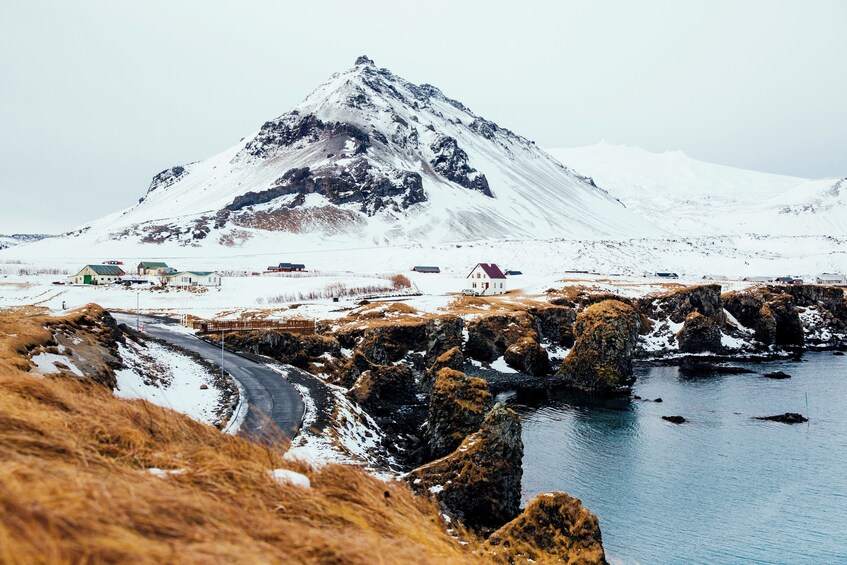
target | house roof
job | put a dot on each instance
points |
(425, 268)
(198, 273)
(292, 266)
(107, 270)
(153, 265)
(492, 270)
(513, 272)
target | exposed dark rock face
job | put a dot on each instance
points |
(480, 482)
(390, 343)
(674, 419)
(291, 128)
(450, 359)
(359, 184)
(679, 304)
(296, 350)
(773, 317)
(699, 333)
(442, 334)
(601, 358)
(382, 391)
(490, 336)
(451, 162)
(555, 324)
(166, 178)
(527, 356)
(787, 418)
(553, 528)
(457, 407)
(777, 375)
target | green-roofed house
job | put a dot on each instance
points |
(97, 274)
(154, 268)
(194, 278)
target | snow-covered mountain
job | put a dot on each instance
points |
(688, 197)
(20, 238)
(370, 157)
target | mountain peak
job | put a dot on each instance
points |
(365, 60)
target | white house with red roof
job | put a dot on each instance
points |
(487, 279)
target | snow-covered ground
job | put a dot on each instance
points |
(168, 378)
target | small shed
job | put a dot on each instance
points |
(513, 272)
(487, 279)
(194, 278)
(97, 274)
(153, 268)
(831, 279)
(667, 275)
(426, 269)
(287, 268)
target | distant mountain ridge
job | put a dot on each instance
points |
(371, 157)
(688, 197)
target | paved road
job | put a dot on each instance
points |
(274, 407)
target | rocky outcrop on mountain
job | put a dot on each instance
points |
(359, 183)
(490, 336)
(167, 177)
(527, 356)
(773, 317)
(480, 482)
(699, 334)
(553, 528)
(451, 162)
(601, 358)
(457, 406)
(555, 324)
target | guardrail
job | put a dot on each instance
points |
(291, 326)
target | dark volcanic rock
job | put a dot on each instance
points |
(555, 324)
(553, 528)
(442, 334)
(490, 336)
(451, 162)
(166, 178)
(699, 333)
(838, 353)
(457, 407)
(697, 367)
(777, 375)
(674, 419)
(787, 418)
(773, 317)
(288, 348)
(382, 391)
(527, 356)
(679, 304)
(480, 482)
(451, 359)
(391, 342)
(601, 358)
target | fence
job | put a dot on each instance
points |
(291, 326)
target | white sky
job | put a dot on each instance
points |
(97, 96)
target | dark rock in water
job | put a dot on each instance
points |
(773, 317)
(527, 356)
(839, 353)
(787, 418)
(674, 419)
(554, 527)
(658, 400)
(777, 375)
(601, 358)
(480, 482)
(699, 334)
(457, 407)
(636, 397)
(696, 367)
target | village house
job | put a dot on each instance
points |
(194, 278)
(97, 274)
(831, 279)
(487, 279)
(156, 268)
(425, 269)
(287, 267)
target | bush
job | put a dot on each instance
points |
(400, 281)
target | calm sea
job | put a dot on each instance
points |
(720, 488)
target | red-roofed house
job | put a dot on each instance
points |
(487, 279)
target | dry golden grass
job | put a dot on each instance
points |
(74, 486)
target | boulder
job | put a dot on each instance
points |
(382, 390)
(457, 407)
(555, 324)
(389, 343)
(527, 356)
(553, 528)
(442, 334)
(699, 333)
(490, 336)
(773, 317)
(480, 482)
(674, 419)
(451, 359)
(777, 375)
(601, 358)
(787, 418)
(679, 304)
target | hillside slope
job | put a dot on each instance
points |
(688, 197)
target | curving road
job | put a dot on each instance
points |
(274, 407)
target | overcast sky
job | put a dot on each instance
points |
(97, 97)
